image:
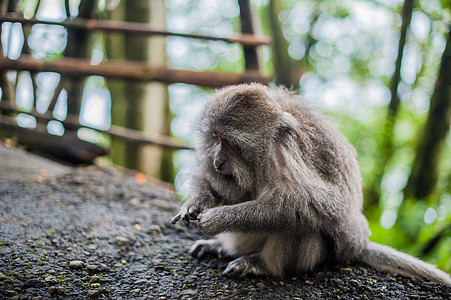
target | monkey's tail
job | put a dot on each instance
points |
(388, 259)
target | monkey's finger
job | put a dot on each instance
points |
(176, 218)
(186, 221)
(239, 268)
(222, 254)
(231, 271)
(193, 213)
(234, 273)
(199, 252)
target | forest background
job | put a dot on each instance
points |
(380, 69)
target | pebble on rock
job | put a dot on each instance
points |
(93, 268)
(103, 267)
(155, 228)
(76, 264)
(94, 293)
(141, 281)
(60, 290)
(122, 241)
(260, 285)
(190, 292)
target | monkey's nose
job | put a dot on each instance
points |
(219, 165)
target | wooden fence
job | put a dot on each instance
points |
(127, 70)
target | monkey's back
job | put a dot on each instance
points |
(327, 151)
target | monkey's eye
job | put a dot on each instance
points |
(214, 134)
(232, 145)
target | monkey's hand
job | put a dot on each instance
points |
(187, 214)
(211, 221)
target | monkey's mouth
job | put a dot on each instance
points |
(228, 176)
(225, 174)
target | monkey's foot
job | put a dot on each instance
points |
(203, 247)
(245, 265)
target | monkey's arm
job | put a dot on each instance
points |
(272, 212)
(200, 198)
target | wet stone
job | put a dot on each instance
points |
(122, 241)
(141, 281)
(32, 282)
(76, 264)
(93, 268)
(57, 290)
(94, 293)
(260, 285)
(103, 268)
(51, 280)
(190, 292)
(10, 293)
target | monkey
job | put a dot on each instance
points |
(280, 190)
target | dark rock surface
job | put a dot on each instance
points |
(98, 234)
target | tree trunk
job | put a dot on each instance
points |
(424, 174)
(78, 46)
(286, 69)
(115, 50)
(372, 196)
(8, 91)
(251, 55)
(137, 105)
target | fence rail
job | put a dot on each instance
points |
(126, 134)
(132, 70)
(135, 28)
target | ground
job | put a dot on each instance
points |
(93, 233)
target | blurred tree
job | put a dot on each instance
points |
(78, 46)
(114, 48)
(5, 85)
(252, 58)
(9, 5)
(373, 194)
(425, 169)
(286, 69)
(137, 105)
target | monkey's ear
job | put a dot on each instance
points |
(288, 122)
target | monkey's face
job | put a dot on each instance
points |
(236, 127)
(221, 151)
(224, 152)
(228, 157)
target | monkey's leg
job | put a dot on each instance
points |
(203, 247)
(290, 254)
(246, 265)
(241, 243)
(272, 255)
(311, 252)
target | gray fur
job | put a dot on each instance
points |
(280, 189)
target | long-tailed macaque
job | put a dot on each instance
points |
(280, 190)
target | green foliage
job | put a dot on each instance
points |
(410, 225)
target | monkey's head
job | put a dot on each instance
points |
(236, 129)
